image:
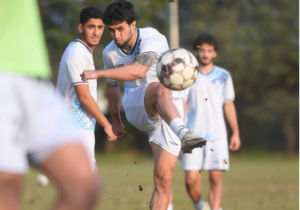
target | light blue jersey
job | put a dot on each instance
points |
(148, 40)
(205, 103)
(77, 58)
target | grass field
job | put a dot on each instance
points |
(253, 183)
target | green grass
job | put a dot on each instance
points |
(253, 183)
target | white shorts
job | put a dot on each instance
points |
(159, 131)
(88, 137)
(213, 156)
(33, 122)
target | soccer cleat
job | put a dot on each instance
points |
(191, 141)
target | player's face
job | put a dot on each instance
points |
(205, 54)
(91, 32)
(122, 33)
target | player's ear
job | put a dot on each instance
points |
(133, 24)
(80, 27)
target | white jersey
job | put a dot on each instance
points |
(205, 103)
(148, 40)
(76, 58)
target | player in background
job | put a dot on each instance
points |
(81, 96)
(132, 57)
(34, 121)
(208, 100)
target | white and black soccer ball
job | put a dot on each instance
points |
(177, 69)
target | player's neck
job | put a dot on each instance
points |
(92, 47)
(132, 41)
(205, 69)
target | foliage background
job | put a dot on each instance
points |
(259, 45)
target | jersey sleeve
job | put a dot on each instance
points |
(229, 90)
(76, 64)
(108, 65)
(155, 44)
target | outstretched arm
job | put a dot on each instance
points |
(231, 117)
(124, 73)
(113, 95)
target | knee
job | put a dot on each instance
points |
(191, 181)
(161, 91)
(215, 178)
(163, 183)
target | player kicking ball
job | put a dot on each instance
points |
(132, 57)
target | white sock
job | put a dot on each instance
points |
(170, 206)
(178, 127)
(199, 204)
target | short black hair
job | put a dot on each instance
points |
(90, 12)
(118, 12)
(205, 38)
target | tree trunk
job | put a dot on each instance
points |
(290, 132)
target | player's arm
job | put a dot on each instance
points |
(231, 117)
(90, 105)
(113, 96)
(124, 73)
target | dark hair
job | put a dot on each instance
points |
(118, 12)
(205, 38)
(90, 12)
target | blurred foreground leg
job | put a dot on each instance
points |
(69, 167)
(10, 191)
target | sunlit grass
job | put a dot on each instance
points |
(253, 182)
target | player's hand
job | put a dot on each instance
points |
(235, 142)
(88, 74)
(118, 128)
(110, 134)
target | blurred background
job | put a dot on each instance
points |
(259, 45)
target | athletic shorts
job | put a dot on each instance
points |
(159, 131)
(34, 122)
(213, 156)
(88, 137)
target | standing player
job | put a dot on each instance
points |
(132, 57)
(82, 96)
(210, 96)
(33, 119)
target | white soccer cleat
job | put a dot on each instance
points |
(191, 141)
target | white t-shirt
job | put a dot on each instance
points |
(76, 58)
(148, 40)
(205, 103)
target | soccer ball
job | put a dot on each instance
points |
(177, 69)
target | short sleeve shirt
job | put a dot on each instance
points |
(205, 103)
(77, 58)
(148, 40)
